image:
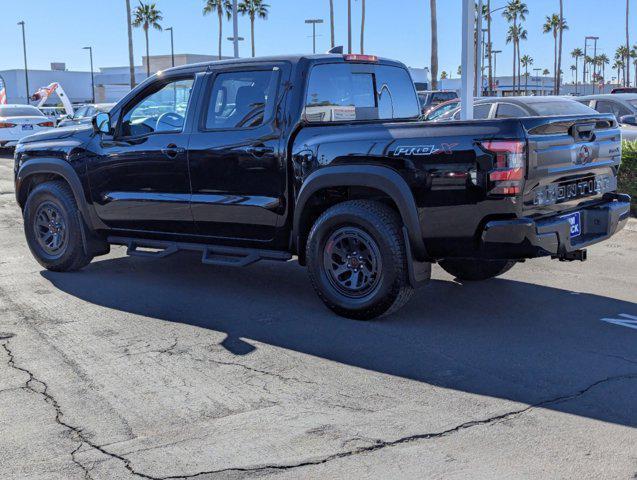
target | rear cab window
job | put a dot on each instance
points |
(346, 92)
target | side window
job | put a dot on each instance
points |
(507, 110)
(241, 99)
(80, 112)
(604, 107)
(347, 92)
(161, 110)
(481, 112)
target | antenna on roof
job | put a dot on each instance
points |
(337, 50)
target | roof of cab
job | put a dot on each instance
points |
(293, 59)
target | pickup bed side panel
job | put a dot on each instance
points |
(442, 164)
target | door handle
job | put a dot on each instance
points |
(259, 150)
(172, 150)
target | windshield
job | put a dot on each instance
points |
(557, 107)
(21, 111)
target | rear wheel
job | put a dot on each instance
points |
(53, 228)
(357, 260)
(476, 269)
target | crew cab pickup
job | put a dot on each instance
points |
(322, 157)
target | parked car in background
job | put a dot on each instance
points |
(19, 121)
(622, 105)
(624, 90)
(441, 109)
(431, 98)
(85, 113)
(518, 107)
(54, 113)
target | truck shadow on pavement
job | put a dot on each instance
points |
(502, 338)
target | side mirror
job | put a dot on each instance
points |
(628, 120)
(102, 123)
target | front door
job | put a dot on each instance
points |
(140, 179)
(237, 160)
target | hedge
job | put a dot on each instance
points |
(627, 181)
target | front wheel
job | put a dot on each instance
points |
(53, 228)
(476, 269)
(357, 260)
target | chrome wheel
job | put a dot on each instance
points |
(50, 229)
(352, 262)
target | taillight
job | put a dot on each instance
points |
(7, 125)
(507, 176)
(46, 124)
(360, 58)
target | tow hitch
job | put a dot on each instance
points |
(579, 255)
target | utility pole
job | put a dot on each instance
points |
(314, 22)
(478, 61)
(172, 46)
(90, 51)
(495, 69)
(26, 68)
(235, 27)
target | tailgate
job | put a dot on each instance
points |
(571, 160)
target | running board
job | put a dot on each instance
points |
(210, 254)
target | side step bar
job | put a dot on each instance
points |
(210, 254)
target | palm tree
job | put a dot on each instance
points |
(577, 54)
(526, 60)
(362, 26)
(349, 26)
(147, 15)
(559, 55)
(515, 10)
(434, 45)
(254, 9)
(619, 66)
(487, 17)
(603, 60)
(522, 36)
(332, 24)
(627, 43)
(443, 75)
(623, 54)
(555, 25)
(633, 55)
(219, 7)
(131, 55)
(574, 74)
(546, 72)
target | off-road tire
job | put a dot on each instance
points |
(476, 269)
(71, 255)
(383, 226)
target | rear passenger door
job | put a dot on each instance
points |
(236, 155)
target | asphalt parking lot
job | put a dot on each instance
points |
(157, 369)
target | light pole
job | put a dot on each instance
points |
(349, 26)
(495, 67)
(537, 78)
(172, 46)
(26, 68)
(90, 51)
(314, 22)
(586, 39)
(235, 28)
(235, 40)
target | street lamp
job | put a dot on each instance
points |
(235, 40)
(172, 46)
(495, 66)
(537, 78)
(90, 51)
(235, 28)
(586, 39)
(313, 22)
(26, 69)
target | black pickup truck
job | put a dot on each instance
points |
(323, 157)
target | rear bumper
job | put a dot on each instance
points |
(528, 238)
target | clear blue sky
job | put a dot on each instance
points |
(56, 30)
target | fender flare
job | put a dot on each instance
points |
(57, 167)
(381, 178)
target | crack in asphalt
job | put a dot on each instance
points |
(40, 387)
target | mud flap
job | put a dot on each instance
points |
(419, 272)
